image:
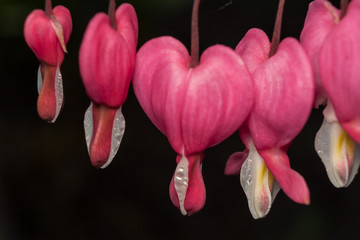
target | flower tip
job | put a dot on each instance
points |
(46, 110)
(98, 158)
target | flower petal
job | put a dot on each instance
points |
(291, 182)
(162, 66)
(218, 99)
(235, 161)
(254, 48)
(321, 18)
(338, 152)
(106, 63)
(284, 91)
(258, 184)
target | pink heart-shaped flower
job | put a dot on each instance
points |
(195, 108)
(284, 91)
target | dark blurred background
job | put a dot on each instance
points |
(49, 190)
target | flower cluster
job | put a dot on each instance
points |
(264, 89)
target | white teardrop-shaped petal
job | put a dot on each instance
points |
(88, 126)
(116, 135)
(258, 184)
(59, 92)
(338, 152)
(39, 80)
(181, 182)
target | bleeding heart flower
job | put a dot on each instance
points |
(47, 33)
(195, 105)
(331, 39)
(284, 88)
(107, 61)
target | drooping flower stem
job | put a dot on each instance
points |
(195, 34)
(343, 6)
(111, 13)
(48, 8)
(277, 28)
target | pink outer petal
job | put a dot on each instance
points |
(127, 25)
(321, 18)
(254, 48)
(62, 14)
(40, 35)
(284, 91)
(218, 99)
(340, 71)
(106, 62)
(235, 162)
(292, 183)
(162, 66)
(196, 193)
(195, 108)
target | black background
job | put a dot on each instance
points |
(49, 190)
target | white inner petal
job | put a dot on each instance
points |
(254, 179)
(59, 92)
(181, 182)
(39, 80)
(88, 126)
(116, 136)
(337, 151)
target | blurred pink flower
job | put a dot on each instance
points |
(47, 33)
(107, 60)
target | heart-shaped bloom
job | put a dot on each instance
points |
(282, 103)
(195, 107)
(333, 45)
(107, 61)
(47, 33)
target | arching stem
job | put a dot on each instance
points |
(277, 28)
(195, 35)
(111, 13)
(343, 6)
(48, 8)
